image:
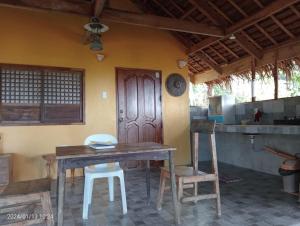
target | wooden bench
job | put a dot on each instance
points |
(26, 203)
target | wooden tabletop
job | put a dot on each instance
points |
(67, 152)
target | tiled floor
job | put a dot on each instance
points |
(256, 200)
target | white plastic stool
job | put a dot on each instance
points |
(105, 170)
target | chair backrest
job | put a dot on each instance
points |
(203, 126)
(200, 126)
(101, 138)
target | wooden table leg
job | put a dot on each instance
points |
(148, 181)
(60, 192)
(173, 188)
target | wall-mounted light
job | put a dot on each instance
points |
(100, 57)
(181, 63)
(232, 37)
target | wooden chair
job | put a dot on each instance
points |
(189, 177)
(26, 203)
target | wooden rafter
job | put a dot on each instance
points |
(266, 34)
(209, 57)
(219, 54)
(237, 8)
(79, 7)
(208, 11)
(278, 22)
(187, 13)
(265, 12)
(98, 7)
(252, 40)
(248, 46)
(242, 39)
(285, 50)
(295, 10)
(212, 65)
(259, 3)
(228, 49)
(221, 12)
(282, 27)
(165, 10)
(158, 22)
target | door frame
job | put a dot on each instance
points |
(117, 97)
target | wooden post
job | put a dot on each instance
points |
(253, 65)
(209, 91)
(275, 75)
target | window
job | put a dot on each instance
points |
(41, 95)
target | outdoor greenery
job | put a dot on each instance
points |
(241, 89)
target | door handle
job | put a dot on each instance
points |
(121, 117)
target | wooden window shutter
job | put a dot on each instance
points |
(41, 95)
(62, 99)
(20, 94)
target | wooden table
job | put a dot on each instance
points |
(80, 156)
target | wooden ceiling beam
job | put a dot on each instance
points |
(208, 11)
(283, 27)
(221, 12)
(237, 8)
(295, 10)
(202, 44)
(265, 12)
(163, 8)
(187, 13)
(252, 40)
(259, 3)
(219, 54)
(266, 33)
(212, 65)
(158, 22)
(228, 49)
(85, 8)
(76, 7)
(98, 7)
(248, 46)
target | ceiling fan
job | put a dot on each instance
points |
(94, 28)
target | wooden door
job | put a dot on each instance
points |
(139, 109)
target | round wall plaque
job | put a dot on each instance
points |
(175, 84)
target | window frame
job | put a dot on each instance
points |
(41, 104)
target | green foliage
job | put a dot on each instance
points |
(295, 86)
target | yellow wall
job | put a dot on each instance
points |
(54, 39)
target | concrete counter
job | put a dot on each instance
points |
(262, 129)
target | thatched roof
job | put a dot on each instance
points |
(286, 66)
(257, 25)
